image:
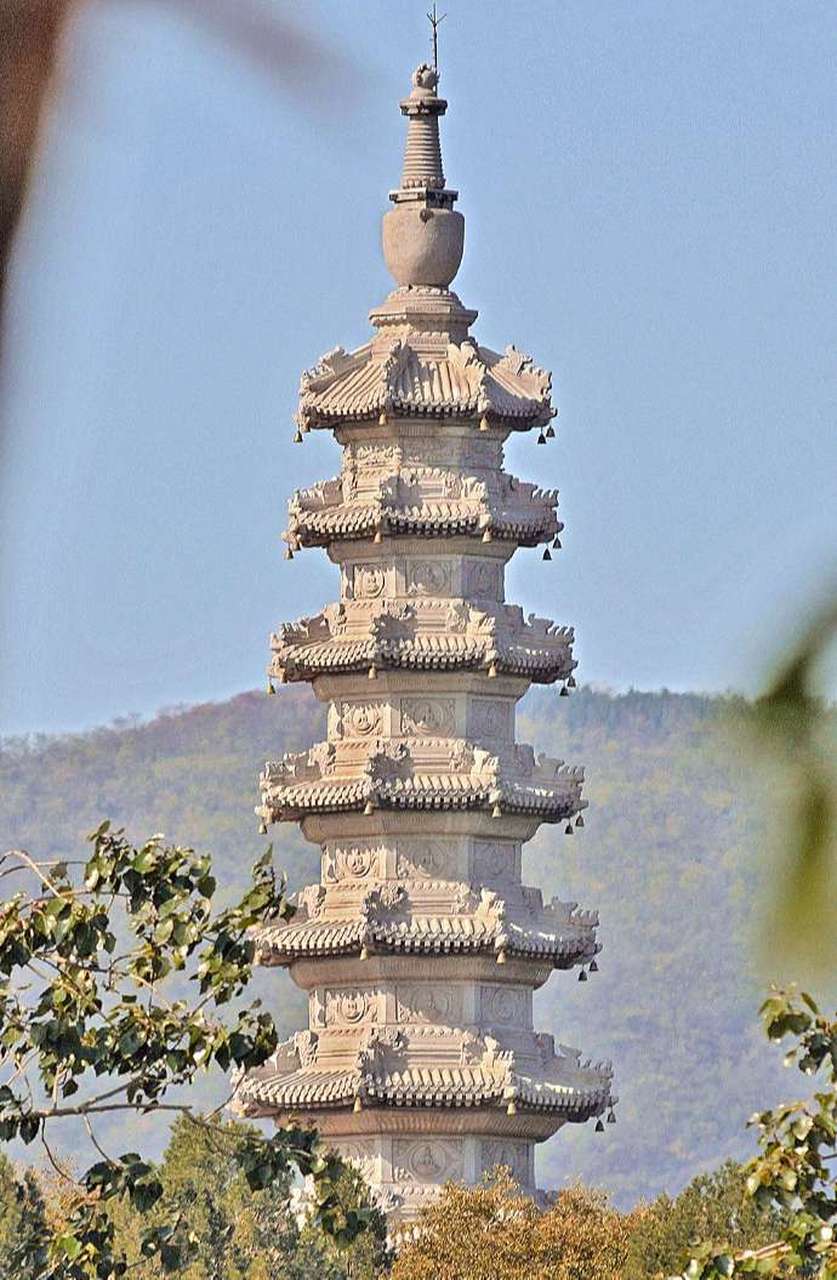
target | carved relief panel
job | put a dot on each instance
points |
(425, 1002)
(429, 577)
(505, 1151)
(426, 859)
(483, 579)
(362, 1154)
(356, 861)
(360, 719)
(365, 580)
(427, 1160)
(345, 1007)
(495, 860)
(504, 1005)
(490, 718)
(428, 717)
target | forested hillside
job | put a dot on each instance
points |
(673, 855)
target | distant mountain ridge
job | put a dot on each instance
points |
(672, 855)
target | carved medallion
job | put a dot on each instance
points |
(494, 859)
(430, 1003)
(429, 577)
(483, 579)
(505, 1005)
(424, 858)
(433, 716)
(489, 718)
(514, 1155)
(361, 718)
(421, 1160)
(348, 1006)
(368, 581)
(349, 862)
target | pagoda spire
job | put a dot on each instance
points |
(423, 236)
(423, 151)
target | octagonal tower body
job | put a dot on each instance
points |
(420, 949)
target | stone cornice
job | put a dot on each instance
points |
(400, 379)
(440, 635)
(386, 920)
(384, 1072)
(431, 502)
(419, 773)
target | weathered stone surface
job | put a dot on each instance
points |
(420, 949)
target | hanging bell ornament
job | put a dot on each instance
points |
(599, 1127)
(289, 555)
(262, 828)
(579, 822)
(546, 555)
(486, 537)
(496, 811)
(358, 1105)
(550, 432)
(568, 829)
(541, 438)
(582, 976)
(270, 688)
(594, 966)
(564, 692)
(373, 672)
(298, 436)
(492, 671)
(556, 544)
(382, 419)
(611, 1118)
(571, 682)
(484, 423)
(511, 1109)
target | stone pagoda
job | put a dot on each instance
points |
(420, 949)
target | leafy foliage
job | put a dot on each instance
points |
(794, 1174)
(238, 1234)
(89, 1027)
(492, 1232)
(712, 1206)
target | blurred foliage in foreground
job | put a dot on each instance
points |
(675, 855)
(796, 725)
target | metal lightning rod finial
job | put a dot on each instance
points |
(435, 22)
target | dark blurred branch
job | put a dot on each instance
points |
(29, 31)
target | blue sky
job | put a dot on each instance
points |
(649, 192)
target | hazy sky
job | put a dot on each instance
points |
(649, 190)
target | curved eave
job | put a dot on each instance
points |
(295, 803)
(310, 1090)
(317, 530)
(301, 662)
(283, 946)
(528, 417)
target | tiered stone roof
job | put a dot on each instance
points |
(420, 773)
(401, 378)
(432, 635)
(479, 1073)
(431, 502)
(390, 920)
